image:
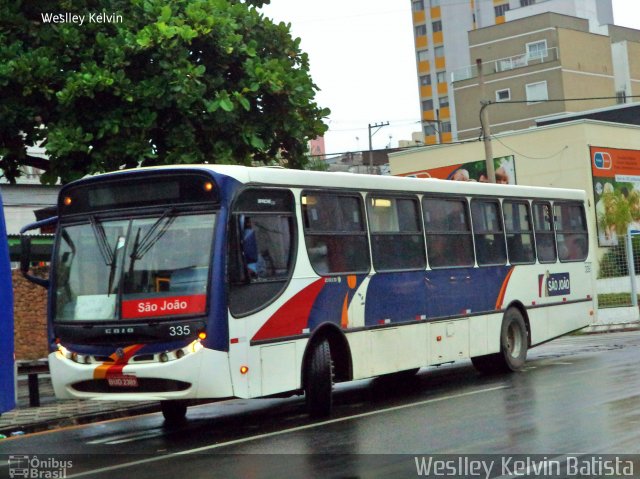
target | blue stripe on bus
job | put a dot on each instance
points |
(405, 296)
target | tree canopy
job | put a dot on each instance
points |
(148, 82)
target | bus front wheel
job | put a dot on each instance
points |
(513, 346)
(174, 411)
(319, 380)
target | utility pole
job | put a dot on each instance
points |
(371, 127)
(484, 121)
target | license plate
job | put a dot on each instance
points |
(123, 381)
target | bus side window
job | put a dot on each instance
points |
(487, 230)
(396, 233)
(448, 231)
(335, 232)
(260, 248)
(571, 229)
(544, 232)
(517, 221)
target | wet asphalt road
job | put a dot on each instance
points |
(577, 395)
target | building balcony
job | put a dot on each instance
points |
(505, 64)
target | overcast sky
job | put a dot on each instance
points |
(362, 59)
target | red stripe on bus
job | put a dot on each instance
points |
(503, 289)
(115, 367)
(293, 316)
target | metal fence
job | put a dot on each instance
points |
(616, 287)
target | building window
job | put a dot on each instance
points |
(536, 50)
(437, 26)
(443, 101)
(417, 5)
(501, 9)
(420, 30)
(427, 105)
(396, 233)
(448, 231)
(445, 127)
(423, 55)
(441, 77)
(434, 3)
(526, 3)
(425, 80)
(430, 129)
(536, 92)
(503, 95)
(439, 51)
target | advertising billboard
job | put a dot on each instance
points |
(504, 166)
(616, 190)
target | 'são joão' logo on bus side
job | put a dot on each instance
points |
(554, 284)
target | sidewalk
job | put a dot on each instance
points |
(53, 413)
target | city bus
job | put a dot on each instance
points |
(7, 363)
(208, 282)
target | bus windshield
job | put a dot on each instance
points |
(133, 268)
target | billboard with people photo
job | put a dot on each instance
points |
(504, 166)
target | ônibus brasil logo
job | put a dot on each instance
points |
(38, 467)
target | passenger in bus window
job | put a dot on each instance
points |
(250, 247)
(575, 247)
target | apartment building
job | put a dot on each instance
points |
(548, 56)
(442, 46)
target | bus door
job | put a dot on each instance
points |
(260, 255)
(7, 361)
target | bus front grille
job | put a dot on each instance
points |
(145, 385)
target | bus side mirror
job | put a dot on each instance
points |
(25, 251)
(25, 254)
(25, 262)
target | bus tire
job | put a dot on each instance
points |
(513, 346)
(174, 411)
(319, 380)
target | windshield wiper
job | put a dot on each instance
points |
(101, 238)
(157, 231)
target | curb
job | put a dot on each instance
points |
(59, 422)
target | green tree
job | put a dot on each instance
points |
(186, 81)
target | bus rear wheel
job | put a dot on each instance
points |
(513, 346)
(174, 411)
(319, 380)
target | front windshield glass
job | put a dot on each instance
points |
(133, 269)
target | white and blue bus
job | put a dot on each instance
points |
(193, 282)
(7, 363)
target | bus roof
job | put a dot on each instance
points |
(315, 179)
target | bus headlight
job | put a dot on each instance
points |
(64, 351)
(196, 346)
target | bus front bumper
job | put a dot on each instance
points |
(203, 374)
